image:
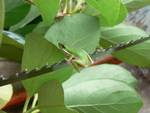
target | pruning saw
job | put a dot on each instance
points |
(49, 68)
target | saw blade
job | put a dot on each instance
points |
(46, 68)
(25, 74)
(110, 50)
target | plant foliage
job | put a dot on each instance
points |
(30, 32)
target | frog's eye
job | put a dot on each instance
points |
(61, 46)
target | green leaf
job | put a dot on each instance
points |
(15, 11)
(79, 30)
(26, 30)
(41, 28)
(122, 14)
(90, 11)
(102, 96)
(138, 55)
(5, 95)
(102, 20)
(132, 5)
(37, 52)
(12, 4)
(51, 98)
(32, 14)
(16, 37)
(2, 16)
(48, 9)
(111, 11)
(12, 46)
(104, 71)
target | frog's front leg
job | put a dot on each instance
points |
(75, 65)
(69, 58)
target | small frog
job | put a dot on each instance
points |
(76, 57)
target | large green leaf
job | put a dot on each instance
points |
(2, 16)
(41, 28)
(104, 71)
(12, 4)
(37, 52)
(138, 55)
(48, 9)
(132, 5)
(15, 11)
(111, 11)
(12, 46)
(16, 37)
(32, 14)
(122, 14)
(102, 20)
(26, 29)
(51, 98)
(79, 30)
(102, 96)
(5, 95)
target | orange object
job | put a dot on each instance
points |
(17, 100)
(110, 60)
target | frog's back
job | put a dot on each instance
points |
(78, 52)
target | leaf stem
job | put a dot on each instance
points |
(34, 100)
(65, 8)
(79, 2)
(26, 104)
(70, 6)
(33, 109)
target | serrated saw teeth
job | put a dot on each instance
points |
(34, 70)
(49, 68)
(103, 50)
(132, 41)
(23, 72)
(44, 67)
(127, 43)
(2, 77)
(107, 49)
(17, 74)
(119, 47)
(143, 37)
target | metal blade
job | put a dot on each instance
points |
(110, 50)
(45, 69)
(35, 72)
